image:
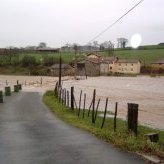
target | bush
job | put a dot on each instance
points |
(28, 61)
(38, 71)
(157, 71)
(146, 69)
(50, 60)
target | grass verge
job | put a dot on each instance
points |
(121, 138)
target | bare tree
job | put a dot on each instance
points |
(89, 46)
(76, 48)
(110, 48)
(102, 47)
(95, 44)
(107, 46)
(122, 42)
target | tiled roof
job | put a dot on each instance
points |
(92, 53)
(127, 61)
(93, 60)
(108, 59)
(159, 62)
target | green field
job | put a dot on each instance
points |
(146, 56)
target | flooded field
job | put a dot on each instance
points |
(146, 91)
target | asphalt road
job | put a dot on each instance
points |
(30, 134)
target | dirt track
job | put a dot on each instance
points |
(146, 91)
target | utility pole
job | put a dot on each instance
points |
(75, 46)
(60, 64)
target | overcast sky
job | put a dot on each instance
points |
(57, 22)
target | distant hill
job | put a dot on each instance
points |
(161, 44)
(144, 47)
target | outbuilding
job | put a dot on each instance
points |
(158, 65)
(66, 70)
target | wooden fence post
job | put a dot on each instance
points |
(93, 106)
(56, 89)
(41, 81)
(132, 117)
(72, 98)
(60, 93)
(115, 116)
(65, 96)
(80, 103)
(68, 98)
(74, 102)
(84, 105)
(104, 113)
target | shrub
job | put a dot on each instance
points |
(38, 71)
(146, 69)
(50, 60)
(29, 60)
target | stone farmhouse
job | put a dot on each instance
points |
(127, 66)
(89, 66)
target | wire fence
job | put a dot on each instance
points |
(79, 101)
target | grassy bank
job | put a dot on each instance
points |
(19, 70)
(121, 138)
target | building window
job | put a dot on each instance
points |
(132, 69)
(110, 68)
(132, 64)
(119, 64)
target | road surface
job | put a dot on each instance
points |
(31, 134)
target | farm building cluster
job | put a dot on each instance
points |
(95, 65)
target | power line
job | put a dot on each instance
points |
(116, 21)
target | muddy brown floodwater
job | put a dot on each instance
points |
(146, 91)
